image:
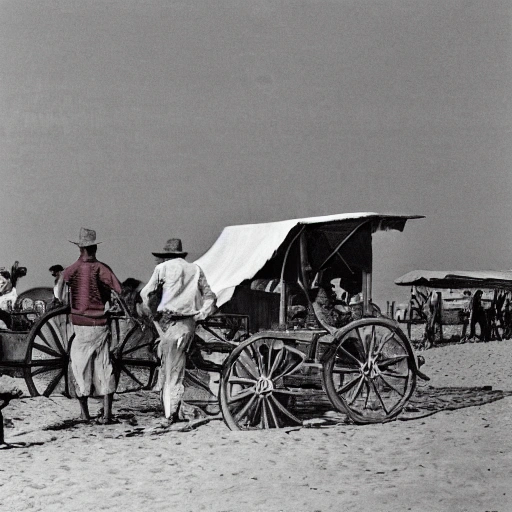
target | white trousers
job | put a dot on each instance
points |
(172, 349)
(90, 361)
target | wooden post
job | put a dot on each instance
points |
(365, 292)
(440, 314)
(282, 306)
(409, 323)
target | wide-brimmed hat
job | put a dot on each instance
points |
(86, 238)
(171, 248)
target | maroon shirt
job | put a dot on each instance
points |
(90, 282)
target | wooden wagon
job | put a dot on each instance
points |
(367, 367)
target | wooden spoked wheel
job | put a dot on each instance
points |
(252, 391)
(46, 367)
(133, 354)
(370, 372)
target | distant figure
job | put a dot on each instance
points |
(465, 314)
(8, 298)
(507, 319)
(56, 272)
(90, 283)
(131, 295)
(479, 317)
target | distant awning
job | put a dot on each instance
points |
(501, 279)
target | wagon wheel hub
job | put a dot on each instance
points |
(264, 386)
(370, 369)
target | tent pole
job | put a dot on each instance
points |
(282, 298)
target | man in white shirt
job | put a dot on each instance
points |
(186, 299)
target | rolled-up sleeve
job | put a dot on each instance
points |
(209, 298)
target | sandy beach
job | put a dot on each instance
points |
(448, 451)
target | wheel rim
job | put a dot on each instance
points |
(252, 393)
(46, 370)
(370, 374)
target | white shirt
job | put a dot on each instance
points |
(185, 289)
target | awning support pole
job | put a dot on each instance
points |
(282, 298)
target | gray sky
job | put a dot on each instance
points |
(147, 120)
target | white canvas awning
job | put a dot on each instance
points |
(241, 251)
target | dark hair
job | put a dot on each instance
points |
(90, 249)
(5, 273)
(56, 268)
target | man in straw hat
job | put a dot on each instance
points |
(90, 282)
(186, 299)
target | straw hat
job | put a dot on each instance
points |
(171, 248)
(86, 238)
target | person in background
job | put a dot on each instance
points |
(478, 316)
(329, 310)
(8, 298)
(91, 282)
(58, 292)
(465, 314)
(186, 299)
(131, 295)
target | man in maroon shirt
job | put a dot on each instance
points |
(90, 283)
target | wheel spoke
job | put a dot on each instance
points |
(53, 383)
(241, 380)
(45, 369)
(372, 344)
(264, 415)
(284, 391)
(41, 336)
(277, 361)
(391, 386)
(55, 336)
(386, 363)
(249, 365)
(394, 375)
(386, 339)
(349, 385)
(281, 407)
(240, 414)
(354, 358)
(357, 391)
(345, 369)
(46, 350)
(367, 386)
(130, 374)
(272, 412)
(376, 391)
(258, 359)
(243, 394)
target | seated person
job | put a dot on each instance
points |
(8, 298)
(328, 309)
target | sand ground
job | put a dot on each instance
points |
(450, 451)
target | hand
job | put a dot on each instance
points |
(201, 315)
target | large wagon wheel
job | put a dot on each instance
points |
(46, 367)
(133, 355)
(252, 391)
(370, 373)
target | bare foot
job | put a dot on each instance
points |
(107, 421)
